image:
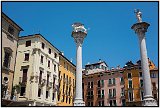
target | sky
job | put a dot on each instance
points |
(110, 37)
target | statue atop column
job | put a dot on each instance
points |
(138, 15)
(79, 27)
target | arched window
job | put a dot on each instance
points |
(11, 30)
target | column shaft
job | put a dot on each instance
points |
(79, 73)
(145, 67)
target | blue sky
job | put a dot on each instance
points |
(110, 37)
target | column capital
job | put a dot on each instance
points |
(79, 37)
(140, 28)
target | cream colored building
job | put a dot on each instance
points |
(10, 33)
(36, 72)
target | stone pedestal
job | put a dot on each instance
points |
(140, 29)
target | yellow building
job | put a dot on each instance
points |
(66, 82)
(133, 77)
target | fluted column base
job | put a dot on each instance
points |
(149, 101)
(79, 102)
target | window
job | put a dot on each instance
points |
(49, 51)
(99, 93)
(23, 90)
(122, 80)
(99, 83)
(47, 94)
(101, 103)
(91, 84)
(39, 92)
(141, 82)
(91, 103)
(43, 45)
(110, 81)
(26, 58)
(129, 75)
(129, 83)
(88, 96)
(153, 75)
(47, 80)
(110, 103)
(123, 102)
(52, 96)
(122, 91)
(28, 43)
(49, 63)
(54, 79)
(55, 55)
(130, 94)
(67, 67)
(140, 74)
(5, 79)
(40, 77)
(69, 100)
(41, 59)
(114, 103)
(114, 92)
(91, 95)
(114, 81)
(54, 67)
(6, 62)
(11, 30)
(142, 95)
(24, 80)
(102, 94)
(88, 103)
(110, 93)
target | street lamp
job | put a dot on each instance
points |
(79, 33)
(140, 29)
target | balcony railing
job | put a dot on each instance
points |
(111, 96)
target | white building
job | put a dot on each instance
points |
(95, 67)
(36, 72)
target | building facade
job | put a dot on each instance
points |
(10, 34)
(36, 73)
(66, 82)
(134, 93)
(103, 87)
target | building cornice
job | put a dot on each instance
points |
(11, 21)
(39, 36)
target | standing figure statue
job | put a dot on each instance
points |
(138, 15)
(79, 27)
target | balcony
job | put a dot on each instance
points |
(100, 96)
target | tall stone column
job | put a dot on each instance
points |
(140, 29)
(79, 33)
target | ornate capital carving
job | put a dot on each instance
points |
(140, 28)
